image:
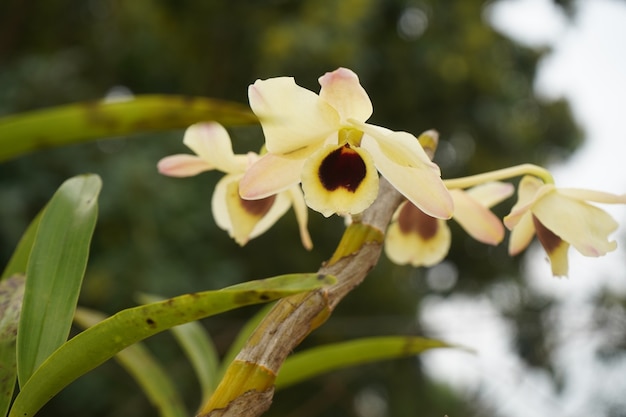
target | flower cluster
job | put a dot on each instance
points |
(243, 219)
(322, 153)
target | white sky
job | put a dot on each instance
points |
(587, 65)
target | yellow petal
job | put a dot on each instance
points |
(521, 234)
(278, 208)
(558, 260)
(582, 225)
(292, 117)
(339, 179)
(477, 220)
(402, 161)
(219, 205)
(592, 195)
(491, 193)
(211, 142)
(416, 238)
(528, 190)
(302, 215)
(182, 165)
(270, 175)
(244, 219)
(555, 247)
(342, 90)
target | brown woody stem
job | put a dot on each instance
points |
(248, 385)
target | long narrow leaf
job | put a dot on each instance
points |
(140, 363)
(27, 132)
(11, 294)
(19, 260)
(315, 361)
(199, 348)
(55, 271)
(201, 351)
(100, 342)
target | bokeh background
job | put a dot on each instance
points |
(425, 64)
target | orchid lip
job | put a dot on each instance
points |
(342, 168)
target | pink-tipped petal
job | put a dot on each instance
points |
(292, 117)
(269, 175)
(211, 142)
(182, 165)
(477, 220)
(342, 90)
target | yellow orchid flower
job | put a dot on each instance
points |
(323, 142)
(560, 218)
(242, 219)
(418, 239)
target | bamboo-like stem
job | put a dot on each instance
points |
(248, 385)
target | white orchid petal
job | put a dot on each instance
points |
(182, 165)
(342, 90)
(292, 117)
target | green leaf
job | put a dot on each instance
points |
(19, 260)
(11, 294)
(95, 345)
(28, 132)
(55, 271)
(199, 348)
(315, 361)
(202, 353)
(140, 363)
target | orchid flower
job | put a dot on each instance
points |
(418, 239)
(323, 142)
(242, 219)
(560, 218)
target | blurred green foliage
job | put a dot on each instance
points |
(425, 63)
